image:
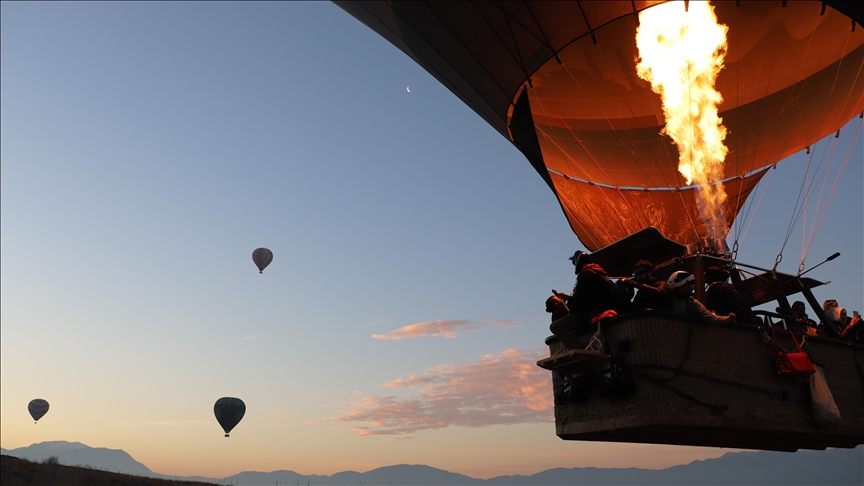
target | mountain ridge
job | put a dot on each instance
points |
(829, 467)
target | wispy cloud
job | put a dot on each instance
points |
(443, 328)
(507, 388)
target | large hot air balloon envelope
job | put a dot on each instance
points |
(37, 408)
(262, 257)
(558, 80)
(229, 411)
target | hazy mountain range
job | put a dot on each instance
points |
(830, 467)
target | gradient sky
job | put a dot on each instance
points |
(148, 148)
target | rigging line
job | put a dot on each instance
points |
(617, 188)
(768, 85)
(634, 157)
(540, 28)
(759, 201)
(749, 204)
(845, 161)
(798, 74)
(516, 57)
(808, 194)
(508, 16)
(736, 225)
(621, 218)
(693, 228)
(546, 139)
(820, 174)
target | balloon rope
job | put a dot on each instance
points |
(759, 201)
(796, 213)
(843, 164)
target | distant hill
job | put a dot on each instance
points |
(829, 467)
(15, 471)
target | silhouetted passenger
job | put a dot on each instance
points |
(836, 319)
(592, 295)
(653, 293)
(556, 306)
(721, 297)
(854, 331)
(807, 325)
(682, 285)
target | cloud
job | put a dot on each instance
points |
(443, 328)
(507, 388)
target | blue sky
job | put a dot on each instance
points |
(148, 148)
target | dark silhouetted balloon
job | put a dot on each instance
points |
(37, 408)
(262, 257)
(229, 411)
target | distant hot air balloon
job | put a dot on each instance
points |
(229, 411)
(37, 408)
(262, 257)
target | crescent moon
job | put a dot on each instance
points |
(408, 88)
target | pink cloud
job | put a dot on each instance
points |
(443, 328)
(507, 388)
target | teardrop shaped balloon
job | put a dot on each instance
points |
(229, 411)
(262, 257)
(37, 408)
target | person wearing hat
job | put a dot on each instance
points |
(653, 293)
(722, 298)
(837, 319)
(682, 284)
(592, 295)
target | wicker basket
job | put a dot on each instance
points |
(674, 380)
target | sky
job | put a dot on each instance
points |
(149, 148)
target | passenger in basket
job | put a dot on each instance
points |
(854, 331)
(722, 298)
(799, 312)
(592, 295)
(653, 293)
(836, 319)
(555, 305)
(683, 284)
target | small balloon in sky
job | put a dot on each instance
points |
(37, 408)
(408, 88)
(229, 411)
(262, 257)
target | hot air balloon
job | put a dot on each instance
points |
(229, 411)
(560, 81)
(557, 79)
(37, 408)
(262, 257)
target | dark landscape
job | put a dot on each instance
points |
(98, 466)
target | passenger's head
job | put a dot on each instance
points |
(553, 303)
(642, 270)
(682, 282)
(579, 260)
(837, 314)
(716, 274)
(799, 310)
(829, 304)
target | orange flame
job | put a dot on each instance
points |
(681, 53)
